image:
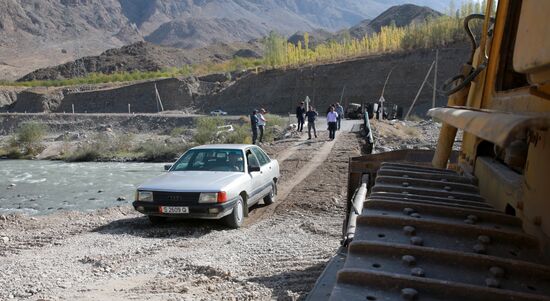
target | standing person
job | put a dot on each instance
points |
(300, 111)
(332, 119)
(261, 123)
(340, 112)
(311, 117)
(254, 125)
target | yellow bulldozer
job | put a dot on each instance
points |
(472, 224)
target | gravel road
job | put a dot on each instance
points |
(116, 254)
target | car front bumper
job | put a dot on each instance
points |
(199, 211)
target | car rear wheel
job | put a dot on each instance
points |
(270, 197)
(157, 220)
(236, 218)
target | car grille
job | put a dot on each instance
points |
(176, 197)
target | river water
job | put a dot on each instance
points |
(41, 187)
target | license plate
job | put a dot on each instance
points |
(174, 210)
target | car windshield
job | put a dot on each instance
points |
(229, 160)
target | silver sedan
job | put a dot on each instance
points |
(211, 182)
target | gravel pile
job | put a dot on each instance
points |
(396, 134)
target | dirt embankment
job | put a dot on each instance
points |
(115, 254)
(361, 80)
(60, 123)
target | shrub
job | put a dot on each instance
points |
(177, 132)
(86, 154)
(153, 152)
(123, 143)
(29, 137)
(240, 135)
(11, 152)
(99, 149)
(277, 120)
(207, 128)
(275, 126)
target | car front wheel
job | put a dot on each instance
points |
(236, 218)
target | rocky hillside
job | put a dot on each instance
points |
(143, 56)
(39, 33)
(400, 15)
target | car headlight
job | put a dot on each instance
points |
(145, 196)
(208, 197)
(213, 197)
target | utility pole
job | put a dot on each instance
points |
(419, 91)
(435, 77)
(160, 107)
(382, 99)
(342, 95)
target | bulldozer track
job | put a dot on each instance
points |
(417, 240)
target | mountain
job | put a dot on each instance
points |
(143, 56)
(38, 33)
(194, 33)
(400, 15)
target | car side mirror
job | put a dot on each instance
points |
(254, 169)
(167, 167)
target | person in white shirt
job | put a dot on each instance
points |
(261, 123)
(332, 119)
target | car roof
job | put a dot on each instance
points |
(224, 146)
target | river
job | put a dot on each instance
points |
(42, 187)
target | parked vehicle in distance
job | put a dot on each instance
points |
(211, 182)
(354, 111)
(218, 113)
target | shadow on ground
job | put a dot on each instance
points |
(142, 227)
(285, 285)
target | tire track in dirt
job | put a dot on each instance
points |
(286, 185)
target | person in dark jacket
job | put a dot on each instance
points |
(300, 112)
(311, 117)
(254, 125)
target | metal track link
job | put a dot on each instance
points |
(427, 234)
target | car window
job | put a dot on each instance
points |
(252, 160)
(261, 157)
(264, 155)
(229, 160)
